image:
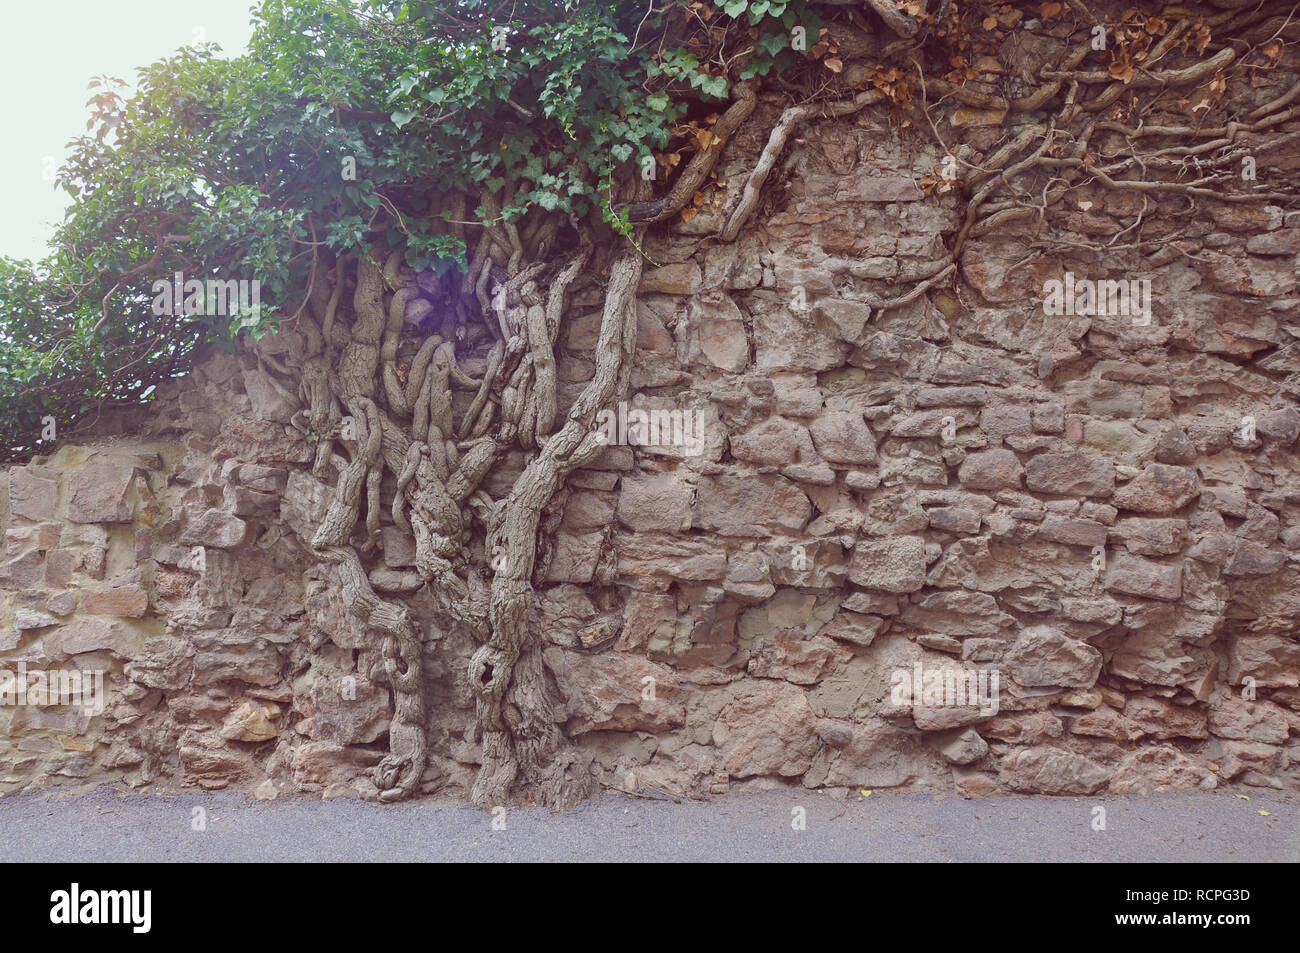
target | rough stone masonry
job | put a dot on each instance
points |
(1103, 511)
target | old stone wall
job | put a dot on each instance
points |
(1102, 511)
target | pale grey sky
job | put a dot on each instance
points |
(48, 53)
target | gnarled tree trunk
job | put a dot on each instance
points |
(370, 411)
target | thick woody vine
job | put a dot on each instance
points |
(1043, 162)
(371, 414)
(506, 671)
(436, 406)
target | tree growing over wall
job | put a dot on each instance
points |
(497, 146)
(513, 154)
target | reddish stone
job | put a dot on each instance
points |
(128, 602)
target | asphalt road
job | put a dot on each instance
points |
(756, 826)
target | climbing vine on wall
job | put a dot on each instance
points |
(518, 152)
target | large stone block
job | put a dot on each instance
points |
(615, 692)
(1159, 489)
(1135, 576)
(844, 438)
(894, 564)
(1070, 474)
(128, 602)
(100, 493)
(655, 501)
(348, 710)
(1046, 770)
(305, 503)
(217, 528)
(990, 470)
(774, 442)
(30, 496)
(86, 635)
(1061, 529)
(1044, 656)
(720, 331)
(735, 504)
(793, 340)
(769, 728)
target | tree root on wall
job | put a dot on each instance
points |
(371, 413)
(376, 401)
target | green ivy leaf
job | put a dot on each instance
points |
(715, 86)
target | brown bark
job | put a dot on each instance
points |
(371, 418)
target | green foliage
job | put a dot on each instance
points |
(774, 23)
(344, 125)
(682, 66)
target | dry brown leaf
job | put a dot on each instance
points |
(668, 161)
(1202, 39)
